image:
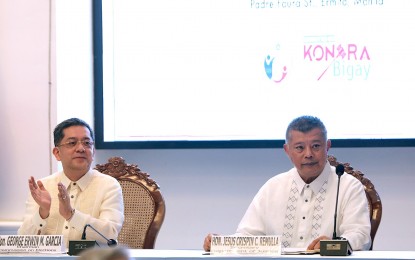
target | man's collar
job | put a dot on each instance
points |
(317, 183)
(82, 182)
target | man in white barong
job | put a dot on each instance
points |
(299, 204)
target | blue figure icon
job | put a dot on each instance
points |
(268, 66)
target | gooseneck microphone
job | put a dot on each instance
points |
(339, 172)
(337, 246)
(110, 242)
(84, 232)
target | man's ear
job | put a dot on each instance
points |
(328, 144)
(56, 153)
(286, 148)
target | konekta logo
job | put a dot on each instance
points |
(350, 60)
(318, 58)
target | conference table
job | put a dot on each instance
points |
(154, 254)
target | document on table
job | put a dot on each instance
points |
(299, 251)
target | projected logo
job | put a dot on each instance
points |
(274, 72)
(340, 53)
(349, 61)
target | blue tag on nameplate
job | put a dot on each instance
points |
(32, 244)
(245, 245)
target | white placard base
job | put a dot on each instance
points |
(246, 245)
(32, 244)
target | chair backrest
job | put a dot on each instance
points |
(373, 199)
(144, 207)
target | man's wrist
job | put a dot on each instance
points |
(72, 213)
(44, 214)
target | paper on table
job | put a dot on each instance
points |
(299, 251)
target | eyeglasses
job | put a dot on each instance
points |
(72, 144)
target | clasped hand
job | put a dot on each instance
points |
(43, 199)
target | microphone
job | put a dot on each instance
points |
(77, 246)
(110, 242)
(339, 172)
(84, 233)
(337, 246)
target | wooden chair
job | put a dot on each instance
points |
(373, 199)
(144, 207)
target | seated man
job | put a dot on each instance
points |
(64, 202)
(299, 204)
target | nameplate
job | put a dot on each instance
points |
(245, 245)
(32, 244)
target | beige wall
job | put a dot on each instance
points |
(25, 113)
(205, 190)
(31, 103)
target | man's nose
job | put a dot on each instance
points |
(308, 152)
(80, 147)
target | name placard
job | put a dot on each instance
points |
(32, 244)
(245, 245)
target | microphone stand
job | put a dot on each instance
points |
(110, 242)
(337, 202)
(76, 246)
(337, 246)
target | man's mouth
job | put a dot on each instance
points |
(310, 164)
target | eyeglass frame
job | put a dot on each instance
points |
(86, 143)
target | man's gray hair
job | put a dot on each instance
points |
(305, 124)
